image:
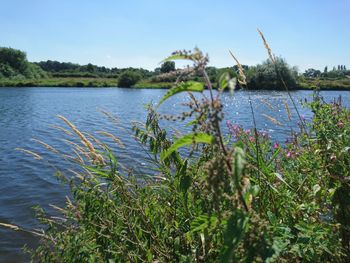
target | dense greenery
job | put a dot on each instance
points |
(167, 67)
(67, 69)
(335, 73)
(324, 84)
(268, 75)
(15, 70)
(59, 82)
(236, 197)
(14, 65)
(128, 79)
(337, 78)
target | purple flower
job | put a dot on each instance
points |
(276, 146)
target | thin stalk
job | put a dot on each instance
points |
(221, 142)
(256, 136)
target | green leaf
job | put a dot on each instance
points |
(185, 183)
(203, 222)
(191, 123)
(234, 232)
(316, 188)
(272, 217)
(225, 81)
(185, 180)
(274, 156)
(239, 162)
(280, 177)
(185, 86)
(187, 140)
(176, 57)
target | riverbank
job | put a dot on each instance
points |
(305, 84)
(325, 84)
(59, 82)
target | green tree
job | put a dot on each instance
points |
(14, 58)
(14, 64)
(90, 68)
(167, 67)
(312, 73)
(128, 79)
(268, 75)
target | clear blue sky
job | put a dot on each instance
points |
(140, 33)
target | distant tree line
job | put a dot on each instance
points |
(336, 73)
(68, 69)
(267, 75)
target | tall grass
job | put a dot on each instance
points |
(236, 197)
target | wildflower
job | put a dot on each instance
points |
(264, 134)
(251, 139)
(276, 145)
(247, 131)
(289, 154)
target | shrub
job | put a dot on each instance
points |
(167, 67)
(268, 75)
(128, 79)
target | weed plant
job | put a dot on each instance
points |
(236, 197)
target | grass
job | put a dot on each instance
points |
(308, 84)
(60, 82)
(79, 82)
(145, 84)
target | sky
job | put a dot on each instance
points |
(140, 33)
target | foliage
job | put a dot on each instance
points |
(312, 73)
(167, 67)
(238, 197)
(339, 72)
(16, 71)
(14, 64)
(268, 75)
(128, 79)
(67, 69)
(324, 84)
